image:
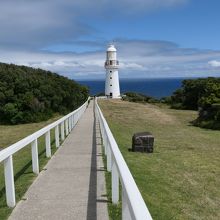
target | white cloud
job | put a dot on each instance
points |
(214, 63)
(137, 59)
(132, 66)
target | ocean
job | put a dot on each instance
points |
(156, 88)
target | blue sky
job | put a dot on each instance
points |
(154, 38)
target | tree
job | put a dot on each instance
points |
(203, 95)
(32, 95)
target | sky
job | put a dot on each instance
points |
(154, 38)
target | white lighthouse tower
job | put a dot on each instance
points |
(112, 88)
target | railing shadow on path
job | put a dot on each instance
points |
(93, 199)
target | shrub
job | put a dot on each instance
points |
(137, 97)
(32, 95)
(202, 95)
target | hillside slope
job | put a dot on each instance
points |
(181, 178)
(32, 95)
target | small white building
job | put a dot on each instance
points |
(112, 88)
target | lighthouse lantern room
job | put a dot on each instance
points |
(112, 89)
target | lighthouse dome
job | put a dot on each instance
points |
(111, 48)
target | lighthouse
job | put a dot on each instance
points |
(112, 89)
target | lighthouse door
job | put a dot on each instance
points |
(110, 94)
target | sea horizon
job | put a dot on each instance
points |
(155, 87)
(143, 78)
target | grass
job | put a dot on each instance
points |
(181, 179)
(22, 160)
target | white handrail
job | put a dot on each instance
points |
(66, 124)
(133, 205)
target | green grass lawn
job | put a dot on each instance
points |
(22, 159)
(181, 179)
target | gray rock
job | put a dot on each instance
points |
(143, 142)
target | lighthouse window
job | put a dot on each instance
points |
(110, 71)
(110, 85)
(110, 77)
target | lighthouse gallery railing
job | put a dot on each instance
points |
(133, 205)
(63, 125)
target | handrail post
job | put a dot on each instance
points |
(71, 120)
(74, 120)
(115, 184)
(57, 136)
(101, 126)
(70, 127)
(9, 181)
(109, 157)
(66, 127)
(125, 208)
(105, 141)
(35, 161)
(71, 123)
(48, 145)
(62, 131)
(77, 117)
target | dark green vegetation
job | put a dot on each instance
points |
(22, 160)
(202, 95)
(181, 179)
(138, 97)
(33, 95)
(100, 94)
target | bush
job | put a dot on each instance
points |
(100, 94)
(137, 97)
(166, 100)
(202, 95)
(32, 95)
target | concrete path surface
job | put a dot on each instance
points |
(73, 184)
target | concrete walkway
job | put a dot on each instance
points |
(73, 184)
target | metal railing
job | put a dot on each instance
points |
(111, 63)
(133, 205)
(63, 125)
